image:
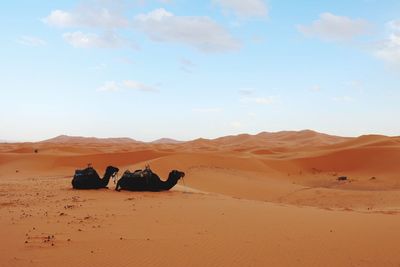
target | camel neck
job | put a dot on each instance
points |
(171, 182)
(106, 178)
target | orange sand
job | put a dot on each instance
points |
(271, 199)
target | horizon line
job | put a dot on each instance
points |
(188, 140)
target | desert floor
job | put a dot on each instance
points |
(271, 199)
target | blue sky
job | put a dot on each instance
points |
(186, 69)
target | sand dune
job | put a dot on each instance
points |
(65, 139)
(281, 140)
(271, 199)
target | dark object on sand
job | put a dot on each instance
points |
(342, 178)
(89, 179)
(146, 180)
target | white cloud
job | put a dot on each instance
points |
(143, 2)
(264, 100)
(389, 50)
(248, 8)
(60, 18)
(31, 41)
(110, 86)
(186, 62)
(186, 65)
(95, 17)
(157, 15)
(99, 67)
(268, 100)
(316, 88)
(159, 25)
(200, 32)
(355, 85)
(258, 39)
(138, 86)
(236, 124)
(89, 40)
(207, 110)
(125, 60)
(335, 28)
(394, 25)
(104, 16)
(345, 99)
(246, 91)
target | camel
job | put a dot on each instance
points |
(146, 180)
(89, 179)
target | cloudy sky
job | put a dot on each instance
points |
(148, 69)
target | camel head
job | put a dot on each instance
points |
(175, 174)
(112, 170)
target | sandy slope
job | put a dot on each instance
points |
(272, 199)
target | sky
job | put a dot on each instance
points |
(149, 69)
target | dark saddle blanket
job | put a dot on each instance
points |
(139, 174)
(88, 172)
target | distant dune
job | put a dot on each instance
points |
(279, 139)
(304, 137)
(65, 139)
(166, 141)
(7, 141)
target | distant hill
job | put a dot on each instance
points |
(288, 139)
(166, 141)
(9, 141)
(65, 139)
(304, 137)
(273, 139)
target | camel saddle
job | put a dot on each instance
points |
(139, 174)
(88, 172)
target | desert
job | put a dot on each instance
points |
(271, 199)
(213, 133)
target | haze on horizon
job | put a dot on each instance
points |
(168, 68)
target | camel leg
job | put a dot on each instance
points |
(117, 187)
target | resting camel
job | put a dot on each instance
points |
(89, 179)
(146, 180)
